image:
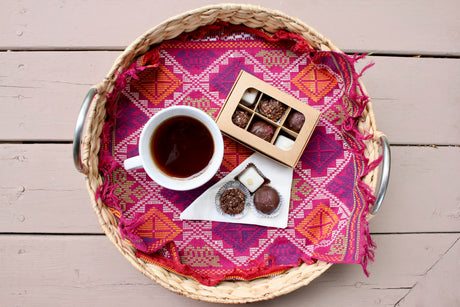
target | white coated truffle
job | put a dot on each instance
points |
(251, 179)
(249, 97)
(284, 143)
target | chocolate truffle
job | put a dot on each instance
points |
(240, 118)
(295, 121)
(272, 109)
(262, 130)
(266, 199)
(232, 201)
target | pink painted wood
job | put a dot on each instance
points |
(426, 27)
(38, 86)
(52, 251)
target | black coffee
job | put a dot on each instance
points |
(181, 146)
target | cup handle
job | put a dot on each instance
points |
(133, 163)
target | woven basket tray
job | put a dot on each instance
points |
(87, 161)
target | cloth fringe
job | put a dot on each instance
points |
(256, 270)
(357, 95)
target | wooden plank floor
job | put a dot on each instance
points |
(52, 250)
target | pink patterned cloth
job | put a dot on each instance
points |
(329, 201)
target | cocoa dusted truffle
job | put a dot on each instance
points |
(266, 199)
(262, 129)
(240, 118)
(295, 121)
(272, 109)
(232, 201)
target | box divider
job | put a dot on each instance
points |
(290, 132)
(285, 115)
(275, 135)
(250, 120)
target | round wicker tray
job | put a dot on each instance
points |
(227, 291)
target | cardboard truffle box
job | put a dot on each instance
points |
(266, 119)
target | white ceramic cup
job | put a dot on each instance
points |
(145, 160)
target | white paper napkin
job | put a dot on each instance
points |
(204, 207)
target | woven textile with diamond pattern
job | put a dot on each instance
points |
(329, 201)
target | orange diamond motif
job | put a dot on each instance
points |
(156, 84)
(234, 154)
(315, 83)
(319, 224)
(157, 226)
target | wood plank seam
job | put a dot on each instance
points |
(427, 271)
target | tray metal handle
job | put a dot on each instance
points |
(385, 175)
(79, 131)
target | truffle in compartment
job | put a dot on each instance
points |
(266, 200)
(295, 121)
(240, 118)
(252, 178)
(262, 129)
(284, 143)
(249, 97)
(271, 108)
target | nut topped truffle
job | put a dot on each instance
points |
(240, 118)
(232, 201)
(272, 109)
